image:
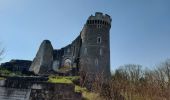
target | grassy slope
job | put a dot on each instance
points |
(60, 79)
(69, 79)
(87, 95)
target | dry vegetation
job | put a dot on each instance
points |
(132, 82)
(128, 82)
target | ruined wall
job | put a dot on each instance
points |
(54, 92)
(14, 94)
(70, 52)
(32, 88)
(48, 59)
(44, 59)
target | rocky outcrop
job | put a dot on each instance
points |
(42, 63)
(17, 65)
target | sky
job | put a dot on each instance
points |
(140, 32)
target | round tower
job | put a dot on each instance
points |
(95, 50)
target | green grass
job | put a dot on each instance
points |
(80, 89)
(2, 78)
(6, 72)
(62, 79)
(87, 95)
(91, 96)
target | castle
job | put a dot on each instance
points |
(89, 52)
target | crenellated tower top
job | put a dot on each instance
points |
(99, 18)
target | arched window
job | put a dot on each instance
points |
(67, 63)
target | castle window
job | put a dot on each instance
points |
(85, 51)
(74, 50)
(99, 26)
(95, 22)
(88, 22)
(67, 63)
(104, 23)
(96, 62)
(98, 40)
(100, 51)
(92, 21)
(100, 22)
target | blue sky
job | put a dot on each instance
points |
(140, 32)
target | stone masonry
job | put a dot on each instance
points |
(36, 88)
(89, 52)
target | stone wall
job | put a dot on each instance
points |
(69, 54)
(54, 92)
(14, 94)
(33, 88)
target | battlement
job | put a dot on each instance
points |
(99, 18)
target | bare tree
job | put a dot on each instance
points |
(126, 80)
(166, 69)
(164, 79)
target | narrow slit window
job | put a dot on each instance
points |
(99, 26)
(74, 50)
(98, 39)
(100, 51)
(85, 51)
(96, 62)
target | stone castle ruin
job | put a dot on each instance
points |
(89, 52)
